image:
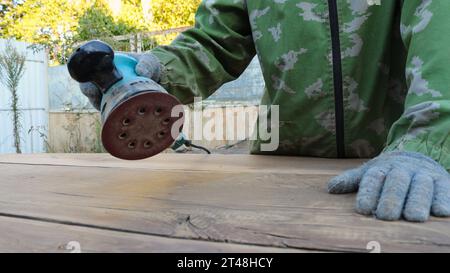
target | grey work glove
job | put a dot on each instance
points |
(398, 184)
(148, 66)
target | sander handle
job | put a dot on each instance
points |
(94, 62)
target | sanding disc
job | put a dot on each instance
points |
(141, 126)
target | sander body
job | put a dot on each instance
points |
(137, 114)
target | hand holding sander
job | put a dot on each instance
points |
(136, 112)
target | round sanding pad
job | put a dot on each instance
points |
(141, 126)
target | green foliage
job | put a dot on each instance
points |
(5, 5)
(49, 23)
(58, 25)
(12, 69)
(132, 17)
(174, 13)
(98, 21)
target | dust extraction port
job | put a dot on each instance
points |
(161, 134)
(147, 144)
(132, 144)
(142, 111)
(158, 111)
(123, 136)
(166, 121)
(126, 121)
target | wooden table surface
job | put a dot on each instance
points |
(184, 203)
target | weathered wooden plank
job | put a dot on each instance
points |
(22, 235)
(193, 162)
(270, 201)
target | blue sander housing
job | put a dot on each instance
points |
(136, 112)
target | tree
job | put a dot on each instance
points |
(6, 6)
(58, 25)
(173, 13)
(48, 23)
(98, 22)
(12, 68)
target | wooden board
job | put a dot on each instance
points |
(22, 235)
(229, 200)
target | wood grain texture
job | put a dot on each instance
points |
(22, 235)
(252, 200)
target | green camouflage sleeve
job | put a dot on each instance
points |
(215, 51)
(425, 124)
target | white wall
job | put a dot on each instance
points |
(33, 102)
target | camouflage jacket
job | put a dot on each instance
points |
(352, 79)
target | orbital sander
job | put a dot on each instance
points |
(136, 112)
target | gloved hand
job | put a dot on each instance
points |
(396, 184)
(148, 66)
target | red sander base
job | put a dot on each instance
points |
(141, 126)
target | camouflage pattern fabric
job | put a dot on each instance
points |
(395, 70)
